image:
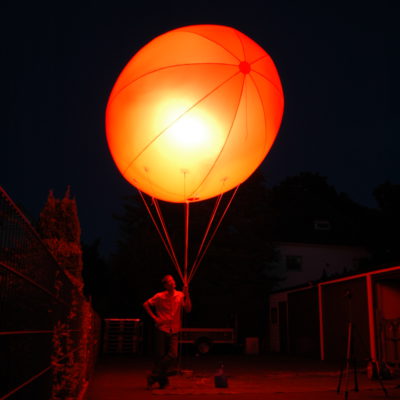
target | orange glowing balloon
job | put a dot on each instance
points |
(194, 113)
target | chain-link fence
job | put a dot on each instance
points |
(48, 331)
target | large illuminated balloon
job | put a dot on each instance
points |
(194, 113)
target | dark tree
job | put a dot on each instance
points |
(59, 227)
(96, 276)
(386, 246)
(140, 260)
(299, 203)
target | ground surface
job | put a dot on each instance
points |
(249, 378)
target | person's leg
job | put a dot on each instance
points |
(160, 348)
(170, 357)
(173, 350)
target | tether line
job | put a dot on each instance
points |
(201, 256)
(164, 237)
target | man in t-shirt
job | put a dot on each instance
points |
(166, 308)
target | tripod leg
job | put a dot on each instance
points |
(340, 378)
(348, 358)
(380, 380)
(344, 370)
(383, 387)
(374, 373)
(347, 372)
(355, 375)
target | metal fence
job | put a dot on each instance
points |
(48, 331)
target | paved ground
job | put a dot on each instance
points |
(249, 378)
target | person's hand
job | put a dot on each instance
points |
(187, 303)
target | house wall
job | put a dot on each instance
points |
(388, 319)
(315, 259)
(303, 322)
(275, 320)
(388, 298)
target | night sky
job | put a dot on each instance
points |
(337, 61)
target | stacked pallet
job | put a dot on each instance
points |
(122, 335)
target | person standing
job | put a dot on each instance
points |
(165, 308)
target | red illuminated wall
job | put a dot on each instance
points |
(338, 309)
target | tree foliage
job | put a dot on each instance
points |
(59, 228)
(299, 202)
(59, 219)
(386, 244)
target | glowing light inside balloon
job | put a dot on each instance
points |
(189, 133)
(194, 134)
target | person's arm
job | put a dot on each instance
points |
(187, 302)
(149, 310)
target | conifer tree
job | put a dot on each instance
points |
(59, 228)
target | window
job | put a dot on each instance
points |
(322, 225)
(293, 263)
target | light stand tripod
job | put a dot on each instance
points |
(351, 361)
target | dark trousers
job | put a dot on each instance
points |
(166, 352)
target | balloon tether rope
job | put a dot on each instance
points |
(185, 274)
(165, 238)
(202, 250)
